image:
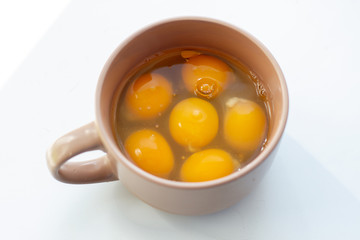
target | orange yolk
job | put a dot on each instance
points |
(244, 124)
(148, 96)
(193, 123)
(207, 165)
(151, 152)
(206, 75)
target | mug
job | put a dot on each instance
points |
(186, 198)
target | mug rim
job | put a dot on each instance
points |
(115, 152)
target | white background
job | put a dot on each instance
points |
(51, 54)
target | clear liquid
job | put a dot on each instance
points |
(169, 64)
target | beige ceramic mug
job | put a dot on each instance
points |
(193, 198)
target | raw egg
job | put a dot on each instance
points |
(206, 75)
(151, 152)
(193, 123)
(244, 124)
(207, 165)
(148, 96)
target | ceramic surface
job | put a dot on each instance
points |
(175, 197)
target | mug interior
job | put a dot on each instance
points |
(187, 33)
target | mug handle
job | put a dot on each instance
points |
(83, 139)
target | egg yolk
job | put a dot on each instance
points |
(207, 165)
(193, 123)
(148, 96)
(244, 124)
(206, 75)
(151, 152)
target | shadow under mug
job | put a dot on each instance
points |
(176, 197)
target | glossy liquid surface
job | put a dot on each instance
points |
(229, 97)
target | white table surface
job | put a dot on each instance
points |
(312, 191)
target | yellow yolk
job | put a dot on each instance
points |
(207, 165)
(193, 123)
(206, 75)
(148, 96)
(151, 152)
(244, 124)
